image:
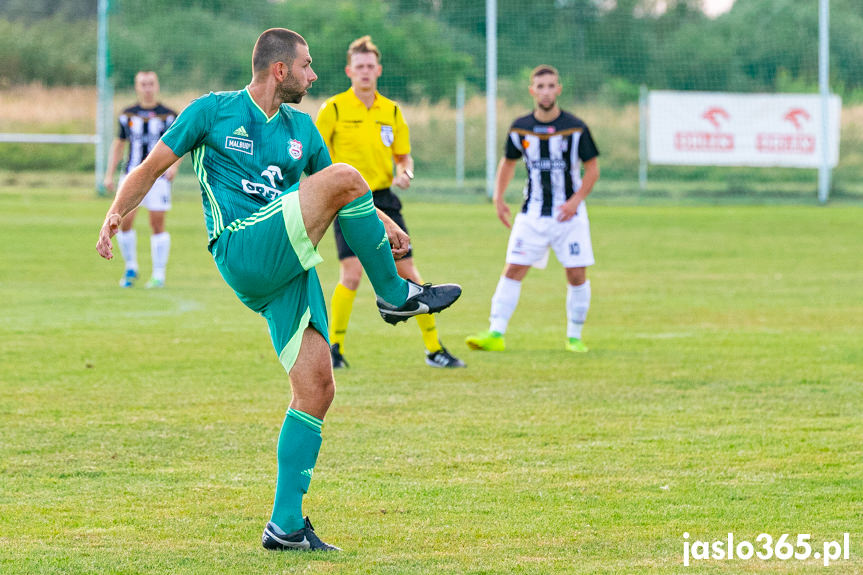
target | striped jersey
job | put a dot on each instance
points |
(553, 153)
(243, 159)
(143, 127)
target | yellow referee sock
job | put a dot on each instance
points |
(429, 331)
(342, 304)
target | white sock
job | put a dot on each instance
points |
(128, 243)
(503, 303)
(160, 246)
(577, 304)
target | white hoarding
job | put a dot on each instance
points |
(721, 129)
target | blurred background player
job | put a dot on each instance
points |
(554, 145)
(141, 126)
(368, 131)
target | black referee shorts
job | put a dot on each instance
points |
(387, 202)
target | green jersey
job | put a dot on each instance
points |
(243, 159)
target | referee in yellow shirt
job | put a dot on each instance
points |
(368, 131)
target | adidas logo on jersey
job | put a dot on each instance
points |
(241, 131)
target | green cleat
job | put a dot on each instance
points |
(155, 283)
(486, 341)
(576, 345)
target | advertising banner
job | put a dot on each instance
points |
(722, 129)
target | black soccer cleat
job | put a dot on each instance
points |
(304, 539)
(443, 358)
(339, 360)
(422, 299)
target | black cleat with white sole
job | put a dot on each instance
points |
(422, 299)
(339, 361)
(304, 539)
(443, 358)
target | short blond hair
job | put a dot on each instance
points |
(363, 45)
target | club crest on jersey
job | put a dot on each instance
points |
(295, 149)
(387, 135)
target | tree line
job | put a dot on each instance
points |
(603, 49)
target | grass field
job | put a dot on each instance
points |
(722, 393)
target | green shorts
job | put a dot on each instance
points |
(268, 260)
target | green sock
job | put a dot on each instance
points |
(299, 443)
(364, 232)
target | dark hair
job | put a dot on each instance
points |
(543, 69)
(275, 45)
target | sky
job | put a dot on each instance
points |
(712, 8)
(716, 7)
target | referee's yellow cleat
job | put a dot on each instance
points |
(576, 345)
(486, 341)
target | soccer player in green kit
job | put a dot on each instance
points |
(249, 150)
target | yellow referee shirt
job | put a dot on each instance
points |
(365, 138)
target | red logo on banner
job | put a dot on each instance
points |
(713, 114)
(707, 141)
(798, 143)
(794, 115)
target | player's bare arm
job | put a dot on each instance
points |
(591, 175)
(400, 242)
(404, 170)
(114, 155)
(505, 172)
(134, 188)
(171, 172)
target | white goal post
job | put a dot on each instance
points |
(11, 138)
(102, 135)
(724, 129)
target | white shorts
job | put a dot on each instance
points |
(158, 199)
(532, 236)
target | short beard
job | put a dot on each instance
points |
(289, 91)
(547, 108)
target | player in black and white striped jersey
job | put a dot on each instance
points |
(141, 126)
(554, 146)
